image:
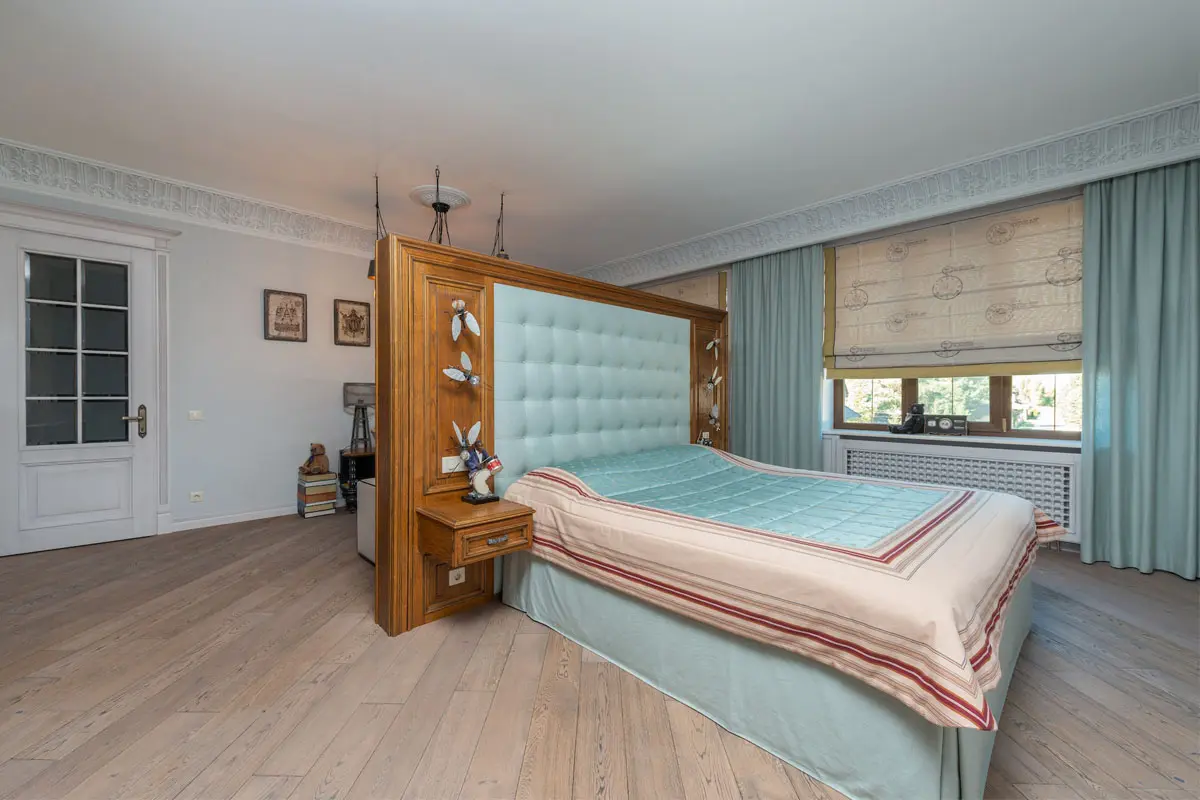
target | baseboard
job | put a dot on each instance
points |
(228, 519)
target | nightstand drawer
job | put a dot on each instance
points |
(458, 534)
(480, 545)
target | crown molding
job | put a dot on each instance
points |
(1151, 138)
(49, 172)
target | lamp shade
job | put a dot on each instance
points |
(356, 394)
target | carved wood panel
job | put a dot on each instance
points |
(442, 599)
(448, 401)
(704, 360)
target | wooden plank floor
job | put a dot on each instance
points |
(242, 662)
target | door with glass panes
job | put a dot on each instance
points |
(84, 382)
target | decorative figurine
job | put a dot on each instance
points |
(914, 421)
(714, 417)
(715, 346)
(480, 465)
(462, 317)
(713, 382)
(318, 462)
(464, 375)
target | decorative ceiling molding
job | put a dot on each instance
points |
(1151, 138)
(48, 172)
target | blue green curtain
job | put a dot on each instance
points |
(1140, 491)
(776, 304)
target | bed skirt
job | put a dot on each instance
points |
(844, 733)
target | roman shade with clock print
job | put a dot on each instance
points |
(1000, 294)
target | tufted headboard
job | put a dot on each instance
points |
(576, 378)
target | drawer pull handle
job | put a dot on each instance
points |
(497, 540)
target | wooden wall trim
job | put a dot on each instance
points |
(391, 416)
(530, 277)
(416, 282)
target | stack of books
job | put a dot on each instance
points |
(316, 494)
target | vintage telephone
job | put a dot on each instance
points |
(914, 421)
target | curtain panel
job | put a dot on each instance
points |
(997, 294)
(776, 330)
(1140, 491)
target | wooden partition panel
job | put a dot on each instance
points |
(416, 403)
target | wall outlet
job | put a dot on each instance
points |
(193, 416)
(457, 576)
(452, 464)
(195, 497)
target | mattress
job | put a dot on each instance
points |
(904, 587)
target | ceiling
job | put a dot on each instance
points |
(615, 127)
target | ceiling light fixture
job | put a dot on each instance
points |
(380, 228)
(498, 241)
(443, 200)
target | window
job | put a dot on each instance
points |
(1047, 402)
(1047, 406)
(969, 396)
(876, 402)
(76, 351)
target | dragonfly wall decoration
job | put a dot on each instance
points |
(713, 382)
(462, 317)
(463, 374)
(465, 443)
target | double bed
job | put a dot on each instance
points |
(863, 630)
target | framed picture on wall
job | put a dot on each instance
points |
(285, 316)
(352, 323)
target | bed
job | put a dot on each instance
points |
(807, 639)
(863, 630)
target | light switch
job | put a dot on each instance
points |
(452, 464)
(193, 416)
(457, 576)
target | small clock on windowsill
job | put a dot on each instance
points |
(945, 424)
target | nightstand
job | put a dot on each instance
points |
(459, 533)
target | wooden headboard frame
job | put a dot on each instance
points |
(416, 281)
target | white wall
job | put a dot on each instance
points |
(263, 401)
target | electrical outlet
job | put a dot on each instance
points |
(457, 576)
(452, 464)
(195, 497)
(193, 416)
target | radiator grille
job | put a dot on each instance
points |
(1047, 486)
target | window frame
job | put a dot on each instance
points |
(999, 402)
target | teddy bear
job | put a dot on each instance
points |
(318, 462)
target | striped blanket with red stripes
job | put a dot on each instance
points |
(918, 615)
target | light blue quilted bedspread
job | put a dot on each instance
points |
(694, 480)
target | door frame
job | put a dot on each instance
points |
(86, 227)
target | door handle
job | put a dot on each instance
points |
(140, 419)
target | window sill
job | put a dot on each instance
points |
(996, 442)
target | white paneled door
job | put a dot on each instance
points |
(79, 349)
